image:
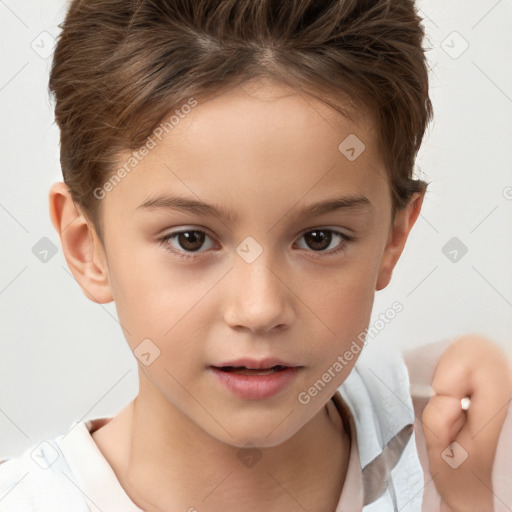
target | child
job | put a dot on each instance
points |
(238, 179)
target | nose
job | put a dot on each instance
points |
(259, 298)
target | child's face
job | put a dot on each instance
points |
(264, 155)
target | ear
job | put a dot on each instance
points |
(81, 245)
(402, 224)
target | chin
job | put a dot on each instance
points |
(257, 435)
(256, 442)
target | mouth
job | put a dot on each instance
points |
(243, 370)
(253, 379)
(253, 366)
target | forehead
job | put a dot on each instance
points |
(269, 115)
(257, 146)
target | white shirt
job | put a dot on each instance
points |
(70, 474)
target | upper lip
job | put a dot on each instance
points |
(255, 364)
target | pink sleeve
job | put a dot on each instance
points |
(502, 470)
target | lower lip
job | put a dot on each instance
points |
(255, 387)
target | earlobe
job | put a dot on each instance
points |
(403, 222)
(80, 244)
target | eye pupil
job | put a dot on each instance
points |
(191, 240)
(318, 239)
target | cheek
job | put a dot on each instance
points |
(161, 302)
(343, 297)
(347, 312)
(342, 300)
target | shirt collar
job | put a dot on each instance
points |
(376, 393)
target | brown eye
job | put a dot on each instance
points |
(190, 240)
(325, 241)
(319, 239)
(184, 243)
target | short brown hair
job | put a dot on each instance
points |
(120, 66)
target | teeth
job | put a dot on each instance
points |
(241, 370)
(247, 371)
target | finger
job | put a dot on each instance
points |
(449, 451)
(443, 419)
(481, 372)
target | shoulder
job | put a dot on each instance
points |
(13, 495)
(39, 480)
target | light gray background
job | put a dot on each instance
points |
(64, 358)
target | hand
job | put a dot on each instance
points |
(462, 445)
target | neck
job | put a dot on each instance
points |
(173, 464)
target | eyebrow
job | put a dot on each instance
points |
(356, 203)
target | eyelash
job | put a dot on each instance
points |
(317, 254)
